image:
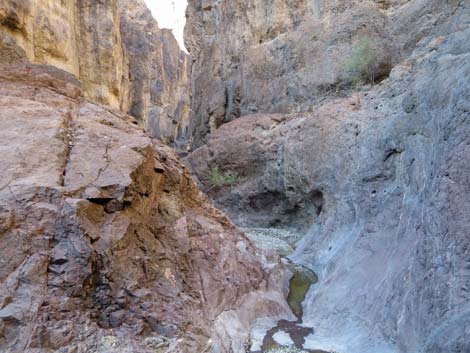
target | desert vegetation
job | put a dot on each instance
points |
(217, 178)
(362, 64)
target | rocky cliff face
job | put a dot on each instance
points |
(377, 179)
(106, 244)
(287, 56)
(81, 37)
(159, 75)
(114, 48)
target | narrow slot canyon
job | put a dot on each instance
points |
(214, 176)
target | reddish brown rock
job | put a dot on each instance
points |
(107, 244)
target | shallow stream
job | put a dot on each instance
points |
(287, 336)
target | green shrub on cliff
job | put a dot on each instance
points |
(360, 67)
(217, 178)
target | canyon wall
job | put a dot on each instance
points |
(376, 176)
(159, 75)
(81, 37)
(287, 56)
(106, 243)
(273, 56)
(115, 49)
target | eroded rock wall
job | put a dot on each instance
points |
(274, 56)
(81, 37)
(159, 75)
(106, 243)
(114, 48)
(389, 167)
(286, 56)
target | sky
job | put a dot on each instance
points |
(170, 14)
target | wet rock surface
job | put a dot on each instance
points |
(106, 244)
(291, 334)
(285, 335)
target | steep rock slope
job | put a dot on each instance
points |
(288, 55)
(81, 37)
(385, 173)
(106, 244)
(159, 75)
(114, 48)
(285, 54)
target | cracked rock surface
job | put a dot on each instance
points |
(106, 244)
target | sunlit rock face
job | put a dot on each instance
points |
(115, 49)
(81, 37)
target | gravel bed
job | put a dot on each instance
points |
(279, 240)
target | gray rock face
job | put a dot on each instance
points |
(391, 240)
(283, 56)
(159, 74)
(273, 56)
(392, 247)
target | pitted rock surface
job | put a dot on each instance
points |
(390, 242)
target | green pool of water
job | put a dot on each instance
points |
(300, 283)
